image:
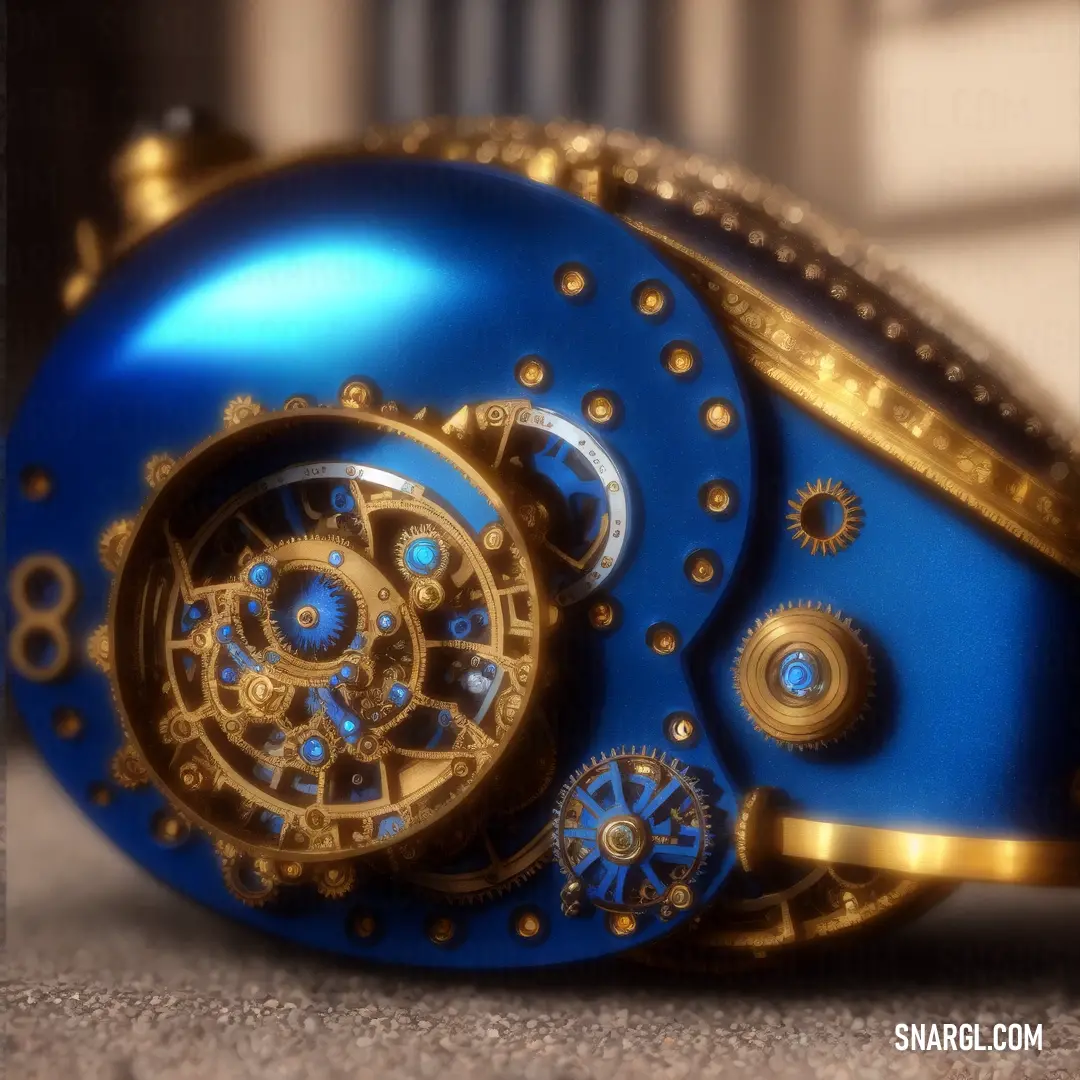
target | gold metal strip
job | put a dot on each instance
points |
(815, 370)
(1028, 862)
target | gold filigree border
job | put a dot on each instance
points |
(811, 368)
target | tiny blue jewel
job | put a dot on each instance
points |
(313, 751)
(422, 555)
(273, 657)
(398, 694)
(336, 558)
(254, 607)
(224, 633)
(346, 672)
(799, 674)
(385, 621)
(260, 575)
(228, 675)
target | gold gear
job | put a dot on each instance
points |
(112, 543)
(804, 675)
(808, 525)
(128, 769)
(335, 881)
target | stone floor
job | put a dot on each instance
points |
(109, 975)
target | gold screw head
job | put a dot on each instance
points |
(426, 595)
(364, 925)
(600, 408)
(168, 828)
(573, 281)
(601, 615)
(356, 394)
(36, 484)
(700, 568)
(681, 728)
(67, 723)
(717, 416)
(531, 372)
(441, 931)
(290, 870)
(680, 896)
(679, 360)
(99, 794)
(622, 923)
(651, 299)
(528, 925)
(663, 639)
(716, 498)
(493, 538)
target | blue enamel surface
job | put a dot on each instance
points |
(974, 641)
(431, 281)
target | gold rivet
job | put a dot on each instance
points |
(717, 415)
(364, 925)
(99, 794)
(680, 896)
(67, 723)
(290, 870)
(441, 930)
(662, 639)
(679, 359)
(528, 924)
(168, 828)
(622, 923)
(572, 281)
(297, 401)
(493, 538)
(600, 408)
(36, 484)
(601, 615)
(650, 300)
(715, 497)
(700, 568)
(531, 372)
(681, 727)
(356, 395)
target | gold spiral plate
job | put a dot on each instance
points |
(291, 690)
(803, 675)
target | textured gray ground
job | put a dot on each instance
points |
(111, 976)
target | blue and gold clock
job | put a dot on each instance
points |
(491, 546)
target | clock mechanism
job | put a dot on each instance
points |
(448, 567)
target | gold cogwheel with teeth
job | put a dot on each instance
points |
(810, 517)
(112, 543)
(596, 813)
(804, 675)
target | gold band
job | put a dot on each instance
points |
(1028, 862)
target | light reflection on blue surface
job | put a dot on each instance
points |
(318, 290)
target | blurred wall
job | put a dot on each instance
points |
(948, 129)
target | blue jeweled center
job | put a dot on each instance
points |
(800, 674)
(422, 555)
(313, 750)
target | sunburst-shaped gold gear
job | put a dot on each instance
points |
(808, 525)
(128, 768)
(157, 469)
(97, 648)
(335, 881)
(112, 543)
(830, 649)
(240, 409)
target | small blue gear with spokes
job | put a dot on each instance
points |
(630, 827)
